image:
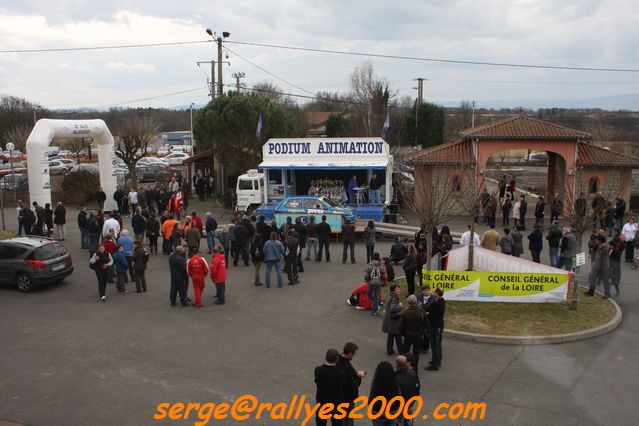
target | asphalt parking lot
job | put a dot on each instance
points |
(66, 359)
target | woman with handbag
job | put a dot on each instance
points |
(100, 262)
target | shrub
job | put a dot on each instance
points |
(79, 186)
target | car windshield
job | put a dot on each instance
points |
(329, 202)
(49, 251)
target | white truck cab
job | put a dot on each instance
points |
(250, 191)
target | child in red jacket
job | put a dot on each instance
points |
(197, 270)
(218, 273)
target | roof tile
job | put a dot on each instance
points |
(458, 152)
(522, 127)
(590, 155)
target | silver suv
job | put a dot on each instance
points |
(32, 260)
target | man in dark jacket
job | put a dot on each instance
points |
(152, 233)
(411, 325)
(300, 230)
(352, 376)
(138, 223)
(324, 239)
(620, 211)
(40, 216)
(210, 225)
(536, 243)
(93, 233)
(177, 265)
(554, 237)
(82, 224)
(330, 383)
(398, 251)
(263, 229)
(242, 241)
(523, 209)
(291, 255)
(149, 196)
(348, 238)
(60, 220)
(407, 380)
(100, 197)
(140, 258)
(118, 196)
(436, 312)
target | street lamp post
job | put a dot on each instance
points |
(191, 116)
(10, 148)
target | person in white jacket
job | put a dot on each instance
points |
(465, 239)
(629, 232)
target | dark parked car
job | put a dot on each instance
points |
(31, 261)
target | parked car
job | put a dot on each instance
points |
(18, 167)
(163, 150)
(67, 163)
(145, 161)
(304, 206)
(31, 261)
(87, 167)
(146, 173)
(176, 158)
(19, 180)
(57, 167)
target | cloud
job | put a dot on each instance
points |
(591, 33)
(130, 68)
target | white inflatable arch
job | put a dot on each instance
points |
(39, 140)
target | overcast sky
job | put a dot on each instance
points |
(583, 33)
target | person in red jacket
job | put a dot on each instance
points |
(359, 298)
(110, 247)
(218, 273)
(198, 221)
(197, 270)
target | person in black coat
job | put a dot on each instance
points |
(330, 382)
(242, 243)
(93, 230)
(82, 225)
(412, 324)
(119, 196)
(324, 239)
(352, 376)
(536, 243)
(149, 197)
(300, 230)
(436, 311)
(152, 233)
(177, 265)
(263, 229)
(100, 197)
(410, 269)
(60, 220)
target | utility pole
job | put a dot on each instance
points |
(418, 102)
(220, 90)
(210, 83)
(473, 118)
(237, 77)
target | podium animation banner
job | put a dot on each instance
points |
(482, 286)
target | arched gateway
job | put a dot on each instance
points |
(575, 164)
(39, 140)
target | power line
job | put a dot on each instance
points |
(149, 98)
(267, 72)
(425, 59)
(122, 46)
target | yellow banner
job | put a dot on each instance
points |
(499, 286)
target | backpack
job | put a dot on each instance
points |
(376, 276)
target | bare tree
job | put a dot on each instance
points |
(274, 94)
(584, 213)
(75, 145)
(438, 195)
(18, 135)
(370, 96)
(133, 137)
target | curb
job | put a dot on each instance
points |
(541, 340)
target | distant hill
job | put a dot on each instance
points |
(629, 102)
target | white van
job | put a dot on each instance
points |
(250, 191)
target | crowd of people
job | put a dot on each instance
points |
(337, 382)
